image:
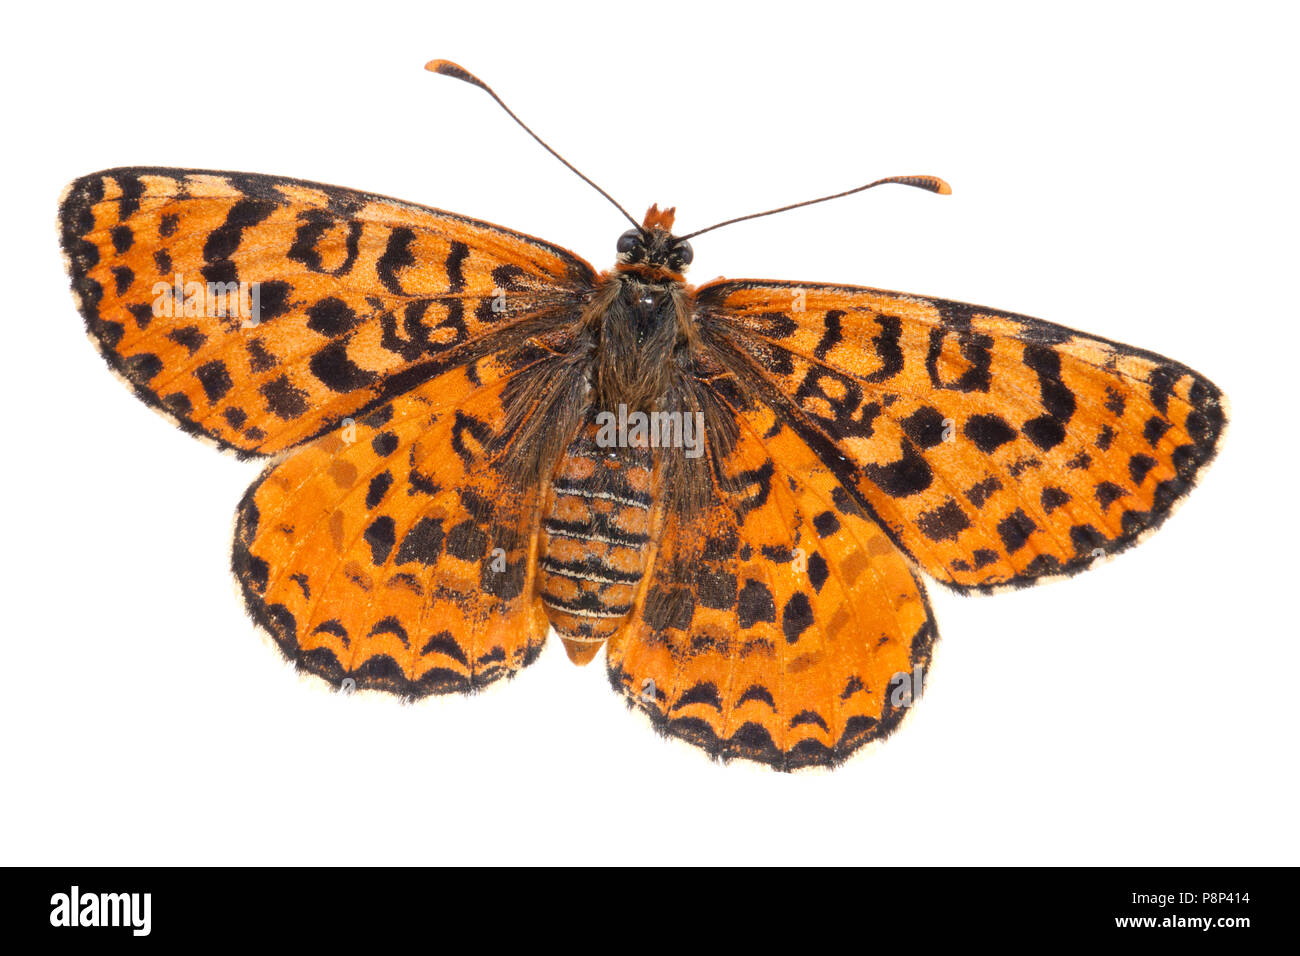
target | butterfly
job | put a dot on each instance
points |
(475, 437)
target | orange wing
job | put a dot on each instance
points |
(261, 311)
(392, 552)
(996, 449)
(782, 626)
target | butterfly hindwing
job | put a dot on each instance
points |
(782, 626)
(391, 552)
(995, 448)
(261, 311)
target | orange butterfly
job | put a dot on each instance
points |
(477, 437)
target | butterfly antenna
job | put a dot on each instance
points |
(447, 68)
(931, 183)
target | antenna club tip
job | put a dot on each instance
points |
(455, 70)
(930, 183)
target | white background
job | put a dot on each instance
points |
(1127, 169)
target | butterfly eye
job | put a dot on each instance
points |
(683, 253)
(629, 244)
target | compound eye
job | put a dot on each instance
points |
(683, 252)
(629, 244)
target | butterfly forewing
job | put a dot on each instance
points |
(995, 448)
(261, 311)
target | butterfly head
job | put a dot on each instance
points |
(652, 248)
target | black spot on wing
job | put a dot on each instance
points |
(423, 543)
(982, 490)
(1086, 538)
(143, 366)
(283, 399)
(331, 317)
(122, 279)
(818, 571)
(444, 643)
(988, 432)
(215, 379)
(272, 299)
(852, 686)
(826, 524)
(391, 625)
(705, 692)
(831, 333)
(809, 717)
(378, 487)
(755, 604)
(1014, 530)
(796, 617)
(332, 626)
(244, 214)
(1044, 431)
(1155, 429)
(943, 523)
(467, 541)
(189, 337)
(337, 371)
(715, 588)
(397, 256)
(381, 536)
(1108, 493)
(1052, 498)
(925, 427)
(1139, 466)
(455, 262)
(122, 238)
(759, 693)
(909, 475)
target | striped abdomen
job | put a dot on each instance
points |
(595, 534)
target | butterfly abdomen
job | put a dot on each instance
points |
(596, 530)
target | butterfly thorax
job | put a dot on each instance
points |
(642, 340)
